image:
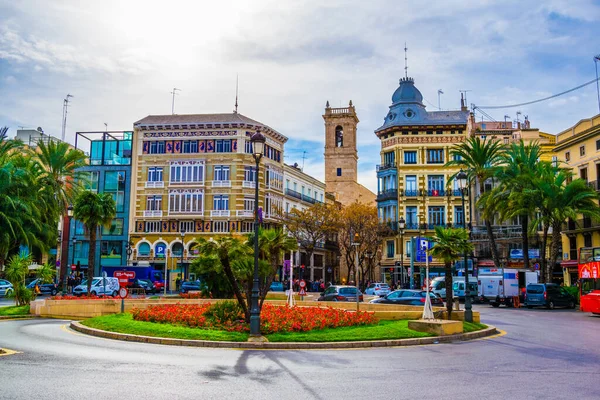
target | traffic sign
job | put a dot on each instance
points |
(302, 284)
(123, 292)
(536, 266)
(302, 291)
(73, 267)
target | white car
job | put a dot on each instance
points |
(98, 287)
(378, 289)
(6, 288)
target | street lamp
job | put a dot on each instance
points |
(356, 243)
(129, 250)
(461, 179)
(66, 259)
(401, 226)
(72, 262)
(183, 274)
(258, 147)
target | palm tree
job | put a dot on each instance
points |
(516, 194)
(481, 160)
(94, 210)
(16, 271)
(450, 245)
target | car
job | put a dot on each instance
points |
(378, 289)
(341, 293)
(45, 288)
(190, 286)
(276, 287)
(160, 285)
(6, 288)
(145, 284)
(409, 297)
(549, 295)
(100, 286)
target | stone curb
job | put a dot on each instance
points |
(489, 331)
(28, 316)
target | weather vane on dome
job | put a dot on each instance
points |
(405, 61)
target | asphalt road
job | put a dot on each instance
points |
(544, 355)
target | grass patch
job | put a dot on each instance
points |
(473, 326)
(124, 323)
(384, 330)
(14, 310)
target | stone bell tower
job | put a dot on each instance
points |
(341, 154)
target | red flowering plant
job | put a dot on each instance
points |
(92, 297)
(229, 316)
(194, 295)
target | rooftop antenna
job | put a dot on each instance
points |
(303, 157)
(505, 118)
(105, 127)
(465, 93)
(518, 113)
(174, 92)
(236, 93)
(440, 92)
(21, 127)
(64, 121)
(405, 61)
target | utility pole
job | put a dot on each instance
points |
(174, 92)
(64, 121)
(596, 59)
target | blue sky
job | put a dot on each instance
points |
(120, 60)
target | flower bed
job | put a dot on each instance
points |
(229, 317)
(92, 297)
(194, 295)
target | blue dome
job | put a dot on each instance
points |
(407, 92)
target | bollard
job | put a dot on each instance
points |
(456, 304)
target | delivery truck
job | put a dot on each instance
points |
(504, 286)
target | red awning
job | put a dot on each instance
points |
(569, 264)
(485, 263)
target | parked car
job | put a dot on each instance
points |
(341, 293)
(549, 295)
(6, 288)
(145, 284)
(276, 287)
(409, 297)
(190, 286)
(98, 287)
(159, 285)
(45, 288)
(378, 289)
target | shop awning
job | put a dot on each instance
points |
(569, 264)
(485, 263)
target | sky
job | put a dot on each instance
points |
(120, 59)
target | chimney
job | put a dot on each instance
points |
(463, 106)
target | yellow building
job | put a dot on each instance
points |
(579, 148)
(194, 176)
(413, 182)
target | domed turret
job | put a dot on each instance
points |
(407, 92)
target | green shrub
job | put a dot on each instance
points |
(224, 312)
(573, 290)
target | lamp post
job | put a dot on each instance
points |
(401, 226)
(461, 178)
(356, 244)
(129, 250)
(258, 146)
(72, 262)
(183, 271)
(66, 259)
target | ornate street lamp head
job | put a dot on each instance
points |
(258, 145)
(461, 179)
(401, 223)
(70, 211)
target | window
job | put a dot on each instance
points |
(339, 136)
(435, 185)
(186, 201)
(91, 181)
(221, 173)
(411, 185)
(339, 173)
(389, 158)
(220, 226)
(190, 146)
(221, 202)
(435, 156)
(390, 249)
(155, 174)
(583, 174)
(410, 157)
(154, 203)
(321, 197)
(114, 183)
(411, 217)
(187, 226)
(157, 147)
(568, 156)
(302, 190)
(187, 172)
(111, 249)
(457, 157)
(116, 228)
(223, 146)
(597, 144)
(250, 174)
(249, 204)
(458, 215)
(296, 185)
(152, 226)
(287, 183)
(436, 215)
(582, 151)
(248, 146)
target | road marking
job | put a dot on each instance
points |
(7, 352)
(499, 334)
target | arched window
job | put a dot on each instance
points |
(339, 136)
(144, 249)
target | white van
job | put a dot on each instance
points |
(100, 286)
(438, 286)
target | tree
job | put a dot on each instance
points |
(15, 272)
(312, 226)
(480, 159)
(450, 245)
(94, 210)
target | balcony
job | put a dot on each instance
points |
(389, 226)
(249, 184)
(581, 225)
(154, 184)
(245, 213)
(390, 194)
(153, 213)
(410, 193)
(308, 199)
(436, 192)
(184, 183)
(384, 167)
(222, 184)
(220, 213)
(293, 193)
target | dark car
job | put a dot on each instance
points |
(341, 293)
(45, 288)
(549, 295)
(409, 298)
(190, 286)
(145, 284)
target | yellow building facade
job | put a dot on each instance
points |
(194, 176)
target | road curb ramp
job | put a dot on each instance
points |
(489, 331)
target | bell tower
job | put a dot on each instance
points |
(341, 154)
